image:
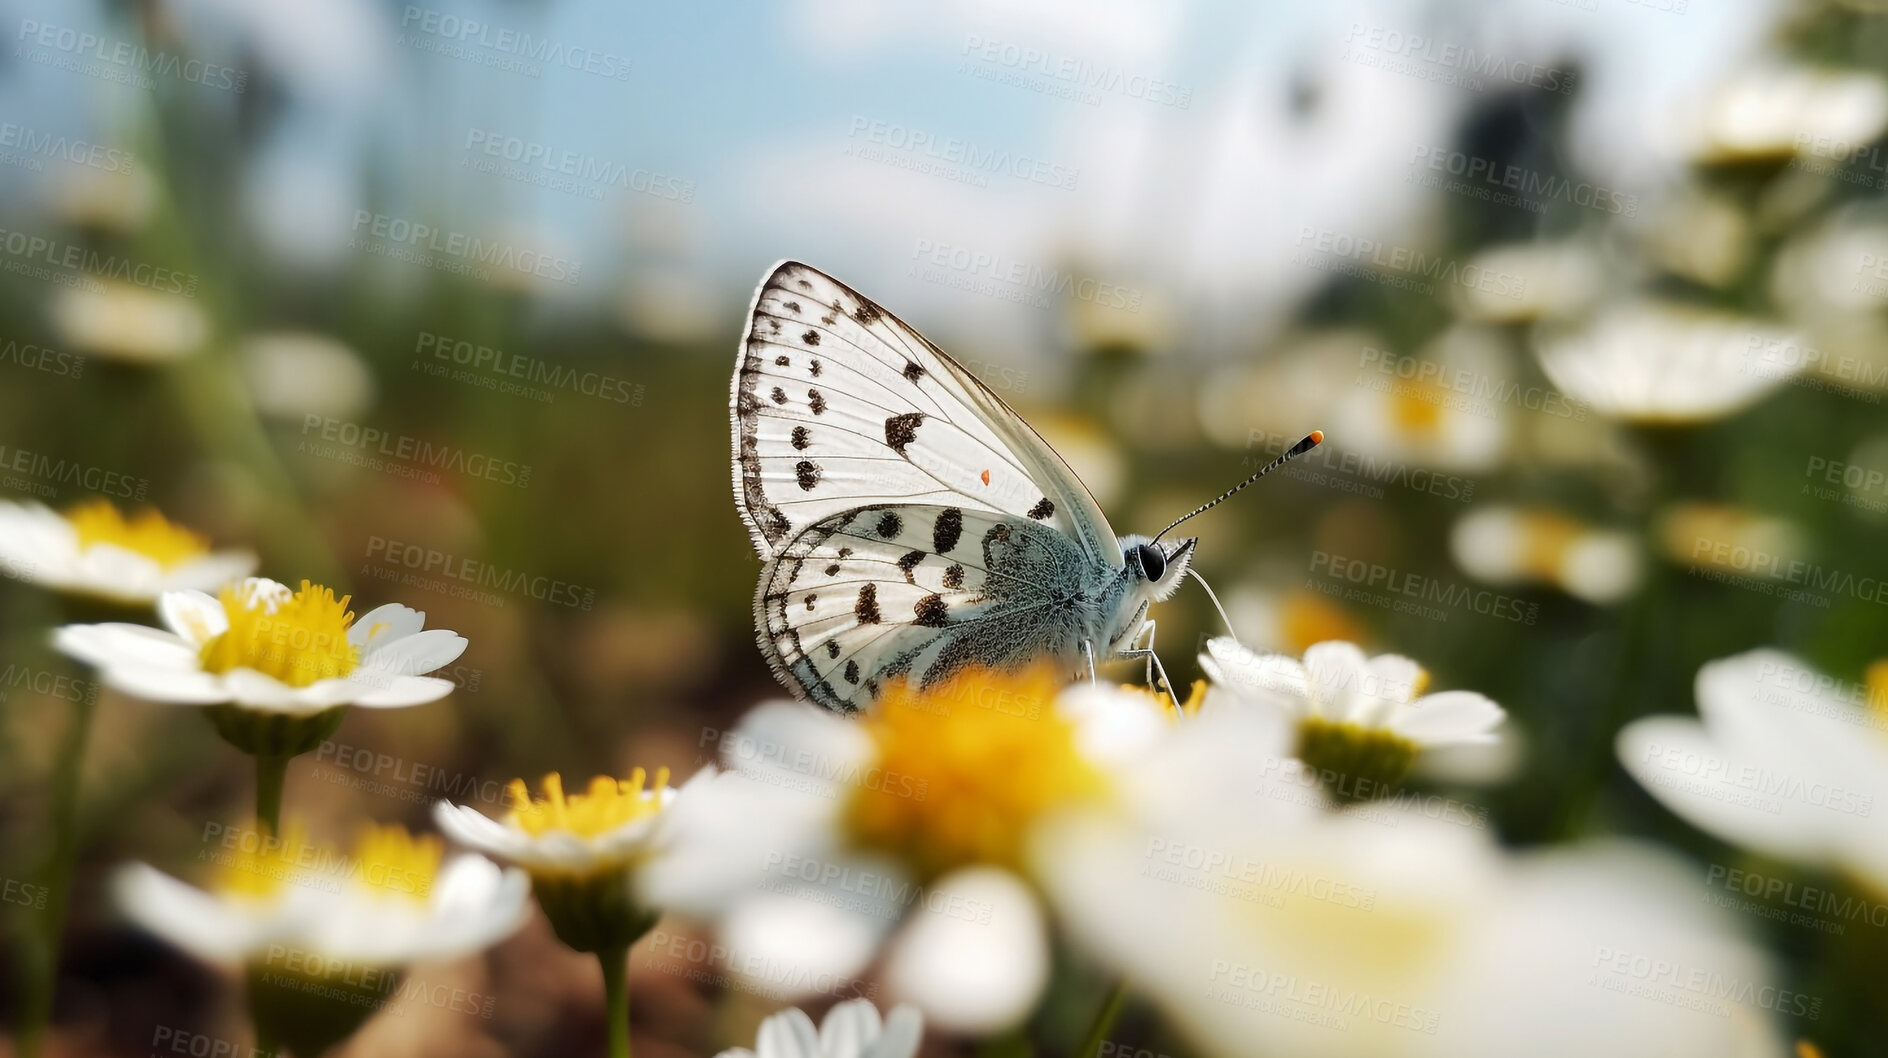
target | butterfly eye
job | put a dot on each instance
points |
(1153, 563)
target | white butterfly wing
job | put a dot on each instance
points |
(837, 404)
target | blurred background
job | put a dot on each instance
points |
(1587, 295)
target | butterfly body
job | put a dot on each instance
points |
(911, 523)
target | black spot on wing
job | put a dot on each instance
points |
(954, 576)
(810, 337)
(832, 570)
(901, 430)
(852, 671)
(816, 400)
(866, 312)
(931, 612)
(1042, 510)
(866, 609)
(781, 361)
(811, 599)
(948, 530)
(779, 395)
(832, 648)
(807, 473)
(815, 368)
(801, 438)
(908, 562)
(913, 372)
(803, 284)
(791, 306)
(845, 552)
(889, 524)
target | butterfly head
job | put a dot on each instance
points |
(1159, 566)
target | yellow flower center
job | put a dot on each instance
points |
(962, 771)
(146, 533)
(1354, 762)
(1416, 406)
(388, 861)
(1877, 682)
(1545, 538)
(1162, 701)
(606, 805)
(257, 864)
(299, 638)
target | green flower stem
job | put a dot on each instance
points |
(271, 775)
(615, 964)
(1104, 1021)
(41, 953)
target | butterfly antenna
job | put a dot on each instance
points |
(1209, 594)
(1311, 440)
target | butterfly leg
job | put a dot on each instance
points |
(1152, 661)
(1088, 651)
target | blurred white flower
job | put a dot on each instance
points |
(1782, 759)
(1428, 409)
(1730, 539)
(1773, 111)
(1549, 280)
(851, 1030)
(95, 550)
(292, 374)
(118, 200)
(1703, 237)
(824, 837)
(127, 322)
(1660, 363)
(1506, 545)
(269, 649)
(1261, 931)
(388, 902)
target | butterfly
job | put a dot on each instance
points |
(909, 523)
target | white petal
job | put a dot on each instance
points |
(795, 947)
(1393, 678)
(788, 1034)
(195, 617)
(112, 644)
(1690, 773)
(262, 691)
(849, 1029)
(1449, 717)
(1335, 670)
(790, 736)
(414, 655)
(402, 691)
(168, 686)
(470, 827)
(211, 929)
(1271, 679)
(210, 572)
(975, 956)
(383, 624)
(904, 1030)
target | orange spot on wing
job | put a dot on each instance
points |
(986, 477)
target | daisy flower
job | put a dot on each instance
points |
(1664, 364)
(1781, 759)
(321, 935)
(827, 838)
(93, 549)
(1360, 719)
(1514, 545)
(851, 1030)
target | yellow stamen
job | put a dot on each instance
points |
(299, 640)
(147, 533)
(605, 804)
(1416, 406)
(261, 863)
(1196, 696)
(390, 861)
(964, 770)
